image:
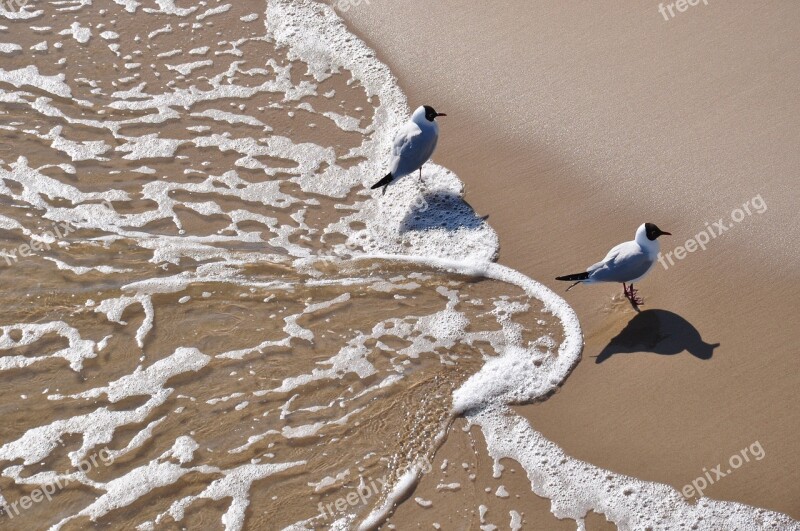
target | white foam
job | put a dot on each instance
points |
(235, 484)
(149, 381)
(10, 48)
(213, 11)
(129, 5)
(75, 353)
(30, 76)
(77, 151)
(168, 7)
(82, 270)
(20, 12)
(448, 487)
(113, 309)
(123, 491)
(401, 488)
(422, 502)
(576, 487)
(187, 68)
(160, 31)
(80, 33)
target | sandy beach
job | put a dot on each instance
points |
(572, 124)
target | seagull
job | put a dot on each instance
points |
(413, 145)
(627, 262)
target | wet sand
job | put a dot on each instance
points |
(571, 125)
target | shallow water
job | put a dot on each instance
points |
(190, 311)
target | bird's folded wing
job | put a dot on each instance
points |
(610, 257)
(404, 139)
(412, 148)
(625, 262)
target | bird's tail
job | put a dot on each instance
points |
(576, 277)
(383, 182)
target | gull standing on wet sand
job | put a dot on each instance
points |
(413, 145)
(627, 262)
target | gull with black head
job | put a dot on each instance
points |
(413, 146)
(627, 263)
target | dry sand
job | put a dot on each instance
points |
(571, 124)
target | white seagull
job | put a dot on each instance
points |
(627, 262)
(413, 145)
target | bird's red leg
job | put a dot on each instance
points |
(637, 301)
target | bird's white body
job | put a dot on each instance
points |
(627, 262)
(413, 145)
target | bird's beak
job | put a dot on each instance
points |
(440, 114)
(663, 233)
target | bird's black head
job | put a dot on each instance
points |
(654, 232)
(431, 114)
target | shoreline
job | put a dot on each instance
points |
(655, 408)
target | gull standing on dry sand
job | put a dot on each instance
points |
(413, 145)
(627, 262)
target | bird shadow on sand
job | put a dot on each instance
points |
(660, 332)
(440, 210)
